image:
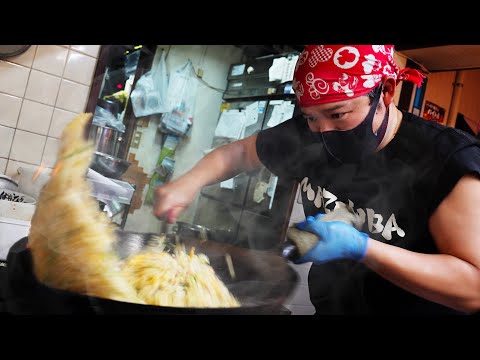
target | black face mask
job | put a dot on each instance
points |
(352, 146)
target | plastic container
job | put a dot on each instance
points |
(109, 166)
(112, 190)
(15, 196)
(106, 139)
(11, 230)
(17, 211)
(30, 185)
(8, 183)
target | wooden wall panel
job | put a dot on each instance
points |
(439, 90)
(470, 101)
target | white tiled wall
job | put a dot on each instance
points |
(41, 90)
(3, 165)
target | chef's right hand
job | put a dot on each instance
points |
(171, 199)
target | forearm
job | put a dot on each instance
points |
(440, 278)
(223, 163)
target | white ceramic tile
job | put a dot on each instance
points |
(13, 78)
(91, 50)
(25, 59)
(50, 59)
(50, 153)
(79, 68)
(72, 96)
(9, 109)
(13, 165)
(6, 134)
(42, 87)
(60, 119)
(27, 147)
(3, 165)
(35, 117)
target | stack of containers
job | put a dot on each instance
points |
(16, 211)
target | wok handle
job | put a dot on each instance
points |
(166, 228)
(289, 250)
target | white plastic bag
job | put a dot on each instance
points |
(182, 91)
(150, 93)
(104, 117)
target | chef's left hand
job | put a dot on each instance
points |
(336, 240)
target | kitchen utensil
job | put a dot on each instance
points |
(11, 230)
(202, 232)
(112, 208)
(15, 210)
(32, 180)
(263, 281)
(109, 166)
(106, 139)
(16, 196)
(8, 183)
(110, 105)
(8, 51)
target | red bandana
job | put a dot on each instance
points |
(330, 73)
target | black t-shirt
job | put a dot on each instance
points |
(395, 190)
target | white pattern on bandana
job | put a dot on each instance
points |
(317, 87)
(370, 80)
(387, 70)
(346, 84)
(301, 59)
(371, 64)
(346, 65)
(381, 49)
(298, 87)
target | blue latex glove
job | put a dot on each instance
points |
(337, 240)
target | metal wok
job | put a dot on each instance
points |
(263, 281)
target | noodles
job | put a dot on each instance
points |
(71, 242)
(70, 238)
(179, 279)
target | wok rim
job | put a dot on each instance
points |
(261, 307)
